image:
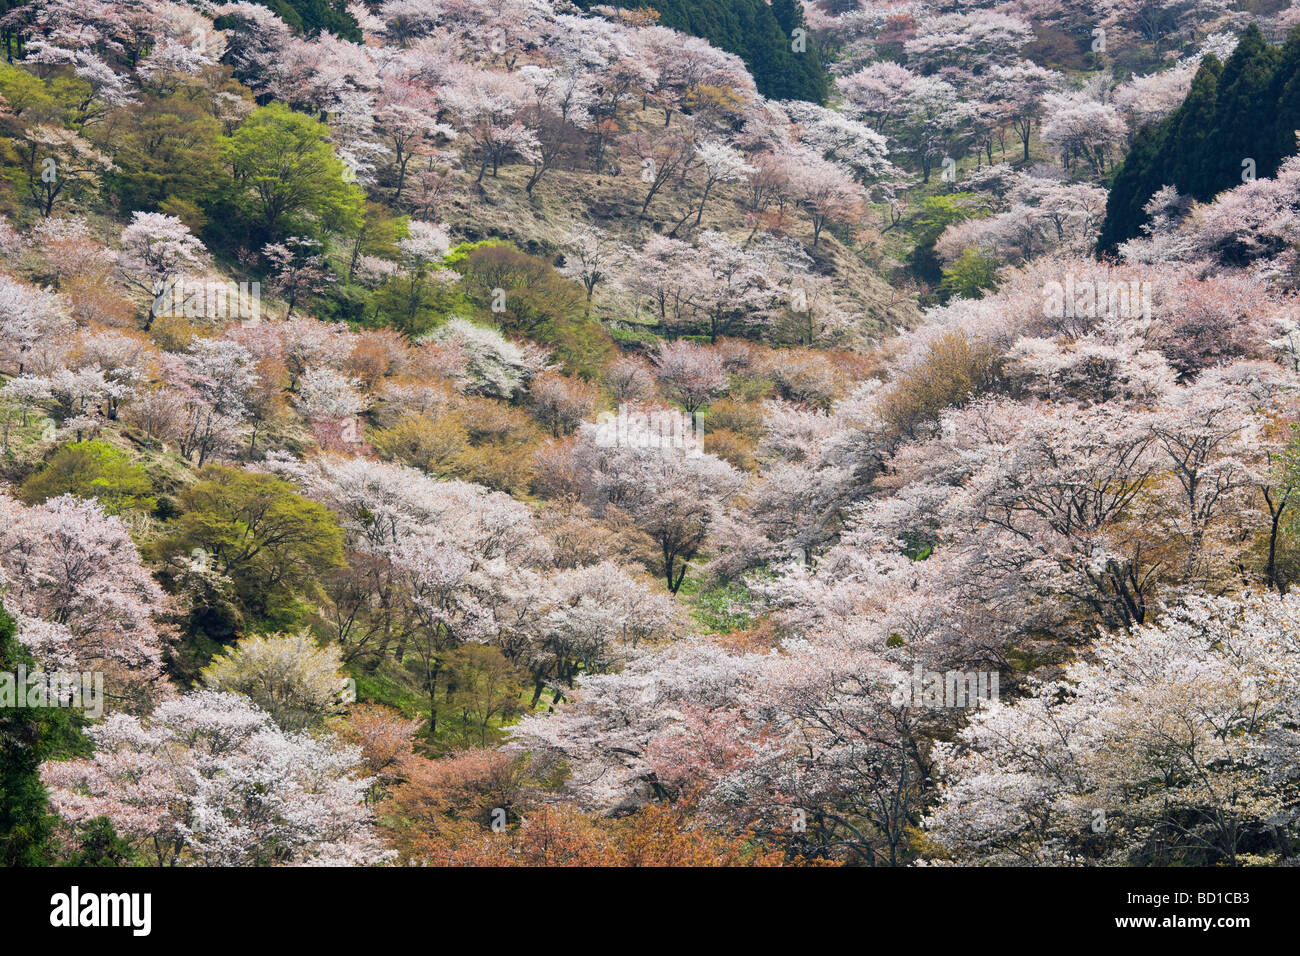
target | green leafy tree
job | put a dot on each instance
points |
(255, 529)
(936, 213)
(167, 153)
(525, 295)
(92, 469)
(970, 275)
(479, 691)
(291, 677)
(27, 97)
(287, 178)
(377, 235)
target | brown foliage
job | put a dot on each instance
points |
(732, 447)
(434, 446)
(443, 803)
(384, 737)
(743, 418)
(659, 835)
(94, 300)
(953, 371)
(377, 354)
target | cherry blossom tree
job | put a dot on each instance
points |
(689, 374)
(1019, 88)
(825, 190)
(561, 403)
(407, 115)
(879, 92)
(486, 106)
(28, 316)
(971, 42)
(1206, 693)
(673, 494)
(1082, 127)
(840, 140)
(208, 779)
(68, 563)
(214, 379)
(496, 366)
(298, 270)
(594, 258)
(156, 251)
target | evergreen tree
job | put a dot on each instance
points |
(789, 14)
(1244, 113)
(1193, 129)
(1131, 189)
(99, 845)
(313, 16)
(1245, 109)
(28, 736)
(1285, 92)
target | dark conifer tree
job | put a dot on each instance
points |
(28, 736)
(1285, 92)
(1238, 115)
(1244, 114)
(1182, 161)
(759, 33)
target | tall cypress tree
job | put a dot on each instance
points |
(788, 13)
(1244, 113)
(1168, 153)
(1245, 109)
(1285, 92)
(28, 736)
(1131, 188)
(1182, 160)
(313, 16)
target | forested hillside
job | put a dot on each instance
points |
(525, 433)
(1239, 122)
(762, 34)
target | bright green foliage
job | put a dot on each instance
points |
(935, 214)
(257, 530)
(970, 275)
(27, 96)
(168, 151)
(287, 179)
(92, 469)
(538, 303)
(478, 690)
(44, 155)
(378, 234)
